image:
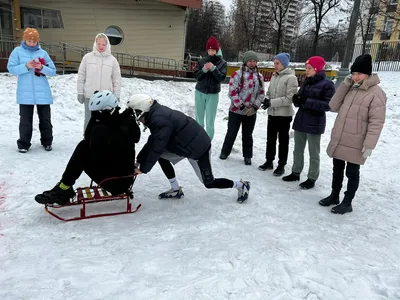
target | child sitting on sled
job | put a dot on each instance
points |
(107, 150)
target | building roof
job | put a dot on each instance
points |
(185, 3)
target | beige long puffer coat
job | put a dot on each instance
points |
(360, 119)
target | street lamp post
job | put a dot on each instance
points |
(344, 69)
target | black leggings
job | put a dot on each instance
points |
(205, 169)
(82, 160)
(167, 167)
(352, 173)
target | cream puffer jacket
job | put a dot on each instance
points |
(281, 89)
(99, 71)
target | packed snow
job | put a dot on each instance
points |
(279, 245)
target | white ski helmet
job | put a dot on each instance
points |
(103, 100)
(140, 104)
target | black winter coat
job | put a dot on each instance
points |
(171, 131)
(310, 117)
(112, 137)
(210, 82)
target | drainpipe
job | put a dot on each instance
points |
(185, 30)
(17, 20)
(184, 33)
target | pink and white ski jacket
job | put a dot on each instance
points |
(248, 93)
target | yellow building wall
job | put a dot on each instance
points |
(150, 27)
(379, 27)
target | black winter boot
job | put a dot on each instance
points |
(223, 156)
(332, 199)
(56, 195)
(308, 184)
(291, 177)
(279, 171)
(344, 207)
(266, 166)
(247, 161)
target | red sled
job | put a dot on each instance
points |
(95, 194)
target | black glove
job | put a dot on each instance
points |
(242, 107)
(266, 104)
(128, 112)
(299, 100)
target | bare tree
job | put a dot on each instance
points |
(249, 24)
(320, 8)
(279, 12)
(202, 23)
(368, 12)
(228, 38)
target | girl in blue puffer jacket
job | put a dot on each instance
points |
(32, 64)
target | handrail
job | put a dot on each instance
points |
(127, 61)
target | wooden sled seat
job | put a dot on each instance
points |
(95, 194)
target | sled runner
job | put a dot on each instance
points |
(95, 194)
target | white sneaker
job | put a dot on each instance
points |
(243, 191)
(172, 194)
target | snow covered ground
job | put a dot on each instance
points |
(279, 245)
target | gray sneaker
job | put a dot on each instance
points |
(178, 194)
(243, 191)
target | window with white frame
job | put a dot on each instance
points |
(391, 2)
(372, 25)
(41, 18)
(388, 25)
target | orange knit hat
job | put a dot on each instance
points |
(31, 34)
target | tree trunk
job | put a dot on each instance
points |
(366, 33)
(278, 38)
(316, 38)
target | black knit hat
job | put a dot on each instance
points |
(362, 64)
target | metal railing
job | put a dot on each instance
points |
(6, 46)
(157, 64)
(67, 57)
(125, 61)
(385, 55)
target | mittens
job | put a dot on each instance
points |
(81, 98)
(366, 152)
(252, 110)
(299, 100)
(37, 71)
